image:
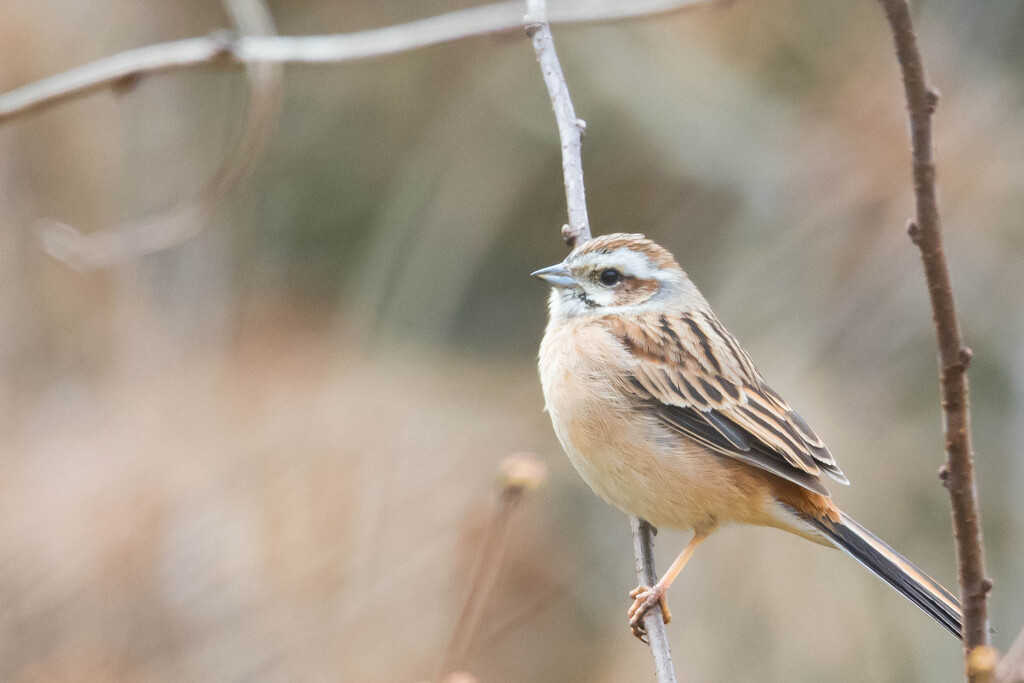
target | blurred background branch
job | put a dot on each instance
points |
(262, 55)
(193, 213)
(954, 358)
(519, 473)
(243, 458)
(126, 68)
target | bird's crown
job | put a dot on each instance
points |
(604, 245)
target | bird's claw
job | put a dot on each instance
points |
(644, 599)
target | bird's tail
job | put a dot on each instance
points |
(893, 568)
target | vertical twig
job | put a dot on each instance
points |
(570, 128)
(926, 233)
(570, 132)
(654, 622)
(519, 472)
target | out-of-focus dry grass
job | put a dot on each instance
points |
(270, 454)
(291, 514)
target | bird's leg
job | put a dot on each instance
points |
(645, 597)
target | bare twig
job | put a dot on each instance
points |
(192, 214)
(128, 67)
(654, 621)
(262, 54)
(570, 131)
(926, 233)
(1011, 667)
(519, 472)
(570, 128)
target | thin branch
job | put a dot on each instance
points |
(570, 132)
(570, 128)
(926, 233)
(654, 621)
(1011, 667)
(262, 54)
(519, 472)
(128, 67)
(193, 214)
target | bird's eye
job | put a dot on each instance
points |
(610, 277)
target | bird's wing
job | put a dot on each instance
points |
(696, 378)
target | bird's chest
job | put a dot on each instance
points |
(624, 453)
(579, 371)
(613, 445)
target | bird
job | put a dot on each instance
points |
(665, 416)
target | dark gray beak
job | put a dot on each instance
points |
(556, 276)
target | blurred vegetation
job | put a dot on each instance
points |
(268, 454)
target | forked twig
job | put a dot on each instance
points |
(192, 214)
(130, 66)
(262, 54)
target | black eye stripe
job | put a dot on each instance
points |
(582, 296)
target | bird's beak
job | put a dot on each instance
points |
(556, 276)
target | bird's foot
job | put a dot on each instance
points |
(644, 599)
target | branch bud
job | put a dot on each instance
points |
(914, 232)
(569, 235)
(224, 42)
(126, 83)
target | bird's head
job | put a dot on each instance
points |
(616, 273)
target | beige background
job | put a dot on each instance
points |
(269, 454)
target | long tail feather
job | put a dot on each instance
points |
(897, 571)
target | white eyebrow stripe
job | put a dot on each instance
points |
(628, 261)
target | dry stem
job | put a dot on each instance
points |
(570, 131)
(520, 472)
(570, 128)
(262, 54)
(128, 67)
(926, 233)
(654, 621)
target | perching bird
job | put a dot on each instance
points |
(665, 417)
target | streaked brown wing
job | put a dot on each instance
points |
(699, 382)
